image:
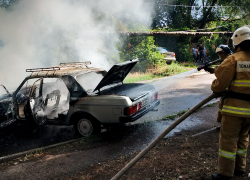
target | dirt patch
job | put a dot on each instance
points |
(182, 157)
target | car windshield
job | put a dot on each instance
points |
(162, 50)
(90, 80)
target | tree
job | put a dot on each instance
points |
(143, 48)
(227, 15)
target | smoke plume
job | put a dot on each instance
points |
(44, 33)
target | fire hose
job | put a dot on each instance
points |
(209, 64)
(162, 135)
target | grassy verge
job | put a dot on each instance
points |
(179, 114)
(137, 76)
(173, 116)
(161, 70)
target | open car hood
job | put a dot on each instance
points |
(117, 73)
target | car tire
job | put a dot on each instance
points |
(168, 62)
(86, 126)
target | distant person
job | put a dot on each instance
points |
(194, 52)
(197, 53)
(223, 52)
(204, 54)
(200, 51)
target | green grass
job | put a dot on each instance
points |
(179, 114)
(189, 64)
(172, 69)
(135, 77)
(211, 105)
(161, 70)
(173, 116)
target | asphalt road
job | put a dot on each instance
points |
(176, 93)
(180, 92)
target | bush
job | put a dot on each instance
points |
(184, 53)
(161, 70)
(143, 48)
(167, 70)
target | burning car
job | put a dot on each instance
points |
(75, 94)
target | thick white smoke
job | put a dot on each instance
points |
(44, 33)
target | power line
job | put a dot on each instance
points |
(192, 6)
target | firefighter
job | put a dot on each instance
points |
(233, 75)
(223, 52)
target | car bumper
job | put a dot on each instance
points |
(169, 59)
(140, 113)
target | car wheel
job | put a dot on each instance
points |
(168, 62)
(86, 127)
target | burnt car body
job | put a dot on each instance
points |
(5, 101)
(68, 95)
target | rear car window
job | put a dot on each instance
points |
(90, 80)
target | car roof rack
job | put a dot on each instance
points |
(43, 69)
(61, 66)
(76, 64)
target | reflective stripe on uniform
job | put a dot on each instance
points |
(227, 154)
(245, 83)
(242, 151)
(236, 110)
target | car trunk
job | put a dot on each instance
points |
(169, 55)
(116, 74)
(134, 91)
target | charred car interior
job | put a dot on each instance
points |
(75, 94)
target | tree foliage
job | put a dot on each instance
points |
(143, 48)
(222, 15)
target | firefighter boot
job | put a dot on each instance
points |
(220, 177)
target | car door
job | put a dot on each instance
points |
(6, 104)
(36, 102)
